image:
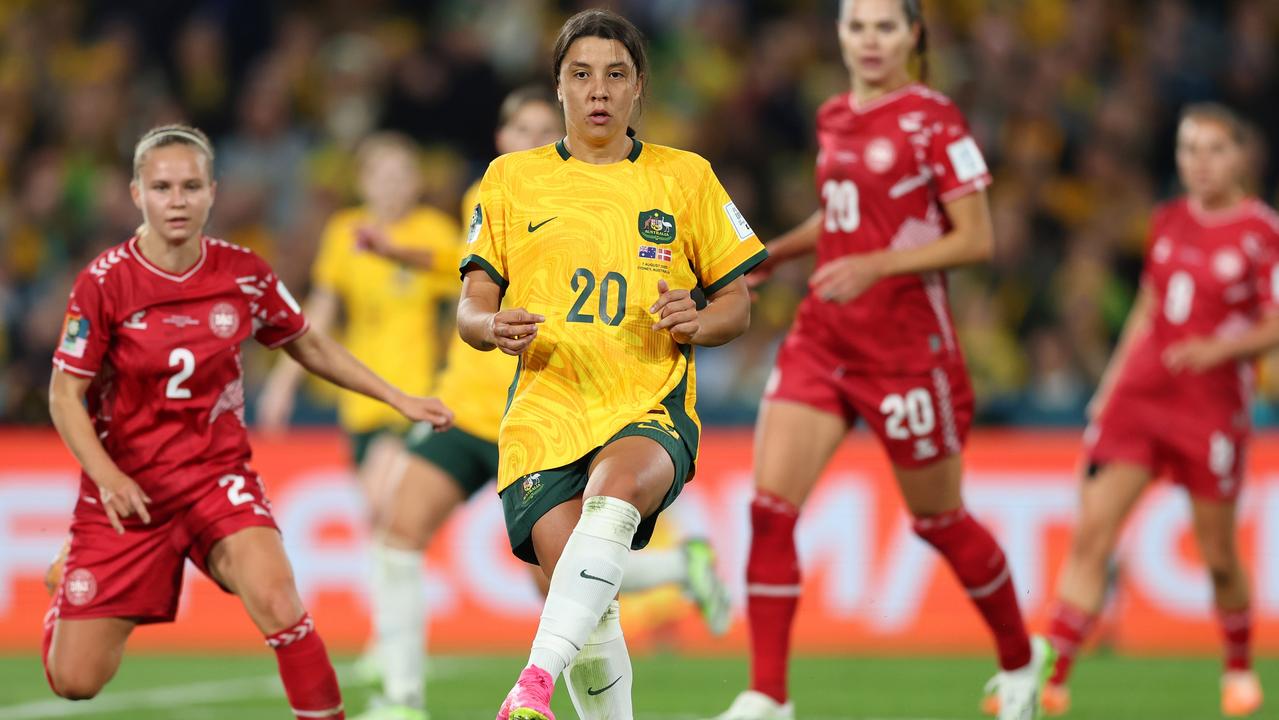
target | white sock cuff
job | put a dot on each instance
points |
(609, 627)
(396, 557)
(609, 518)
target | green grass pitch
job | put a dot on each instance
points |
(155, 687)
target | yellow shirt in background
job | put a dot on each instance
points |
(391, 310)
(585, 245)
(474, 384)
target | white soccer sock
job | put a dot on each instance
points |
(648, 569)
(399, 621)
(585, 581)
(600, 678)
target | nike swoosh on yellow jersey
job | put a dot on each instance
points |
(533, 228)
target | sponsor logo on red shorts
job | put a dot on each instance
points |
(81, 587)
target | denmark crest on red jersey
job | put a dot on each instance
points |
(224, 321)
(880, 155)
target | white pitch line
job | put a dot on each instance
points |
(166, 697)
(210, 692)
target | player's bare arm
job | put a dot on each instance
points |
(275, 404)
(1135, 326)
(324, 356)
(377, 241)
(484, 327)
(1204, 353)
(971, 240)
(727, 314)
(121, 496)
(797, 242)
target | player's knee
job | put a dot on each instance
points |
(75, 683)
(407, 533)
(275, 603)
(1223, 565)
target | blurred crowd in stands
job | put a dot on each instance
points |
(1074, 102)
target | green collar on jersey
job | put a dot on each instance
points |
(636, 147)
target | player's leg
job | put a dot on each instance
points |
(379, 472)
(691, 566)
(1106, 497)
(251, 563)
(80, 656)
(1216, 532)
(584, 552)
(793, 443)
(922, 421)
(110, 583)
(438, 473)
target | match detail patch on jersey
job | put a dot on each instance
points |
(738, 221)
(657, 227)
(477, 219)
(75, 335)
(966, 159)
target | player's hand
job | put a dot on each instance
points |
(424, 409)
(121, 498)
(512, 331)
(1194, 355)
(372, 239)
(677, 312)
(275, 406)
(845, 279)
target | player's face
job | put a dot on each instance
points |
(876, 39)
(598, 87)
(533, 125)
(1208, 158)
(174, 190)
(390, 181)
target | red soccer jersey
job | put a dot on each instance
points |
(1209, 274)
(883, 172)
(167, 397)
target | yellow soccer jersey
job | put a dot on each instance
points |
(585, 245)
(474, 383)
(391, 313)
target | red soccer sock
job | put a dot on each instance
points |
(1236, 630)
(1067, 631)
(979, 564)
(308, 677)
(772, 591)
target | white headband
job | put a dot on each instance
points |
(152, 141)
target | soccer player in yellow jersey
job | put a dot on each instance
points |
(387, 264)
(441, 470)
(592, 246)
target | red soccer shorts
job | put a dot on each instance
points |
(920, 418)
(138, 575)
(1204, 455)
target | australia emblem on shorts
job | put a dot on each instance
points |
(530, 485)
(657, 227)
(224, 320)
(81, 587)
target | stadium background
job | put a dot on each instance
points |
(1074, 102)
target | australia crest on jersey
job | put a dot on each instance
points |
(657, 227)
(224, 321)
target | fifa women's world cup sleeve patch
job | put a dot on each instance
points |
(486, 236)
(85, 332)
(724, 245)
(75, 335)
